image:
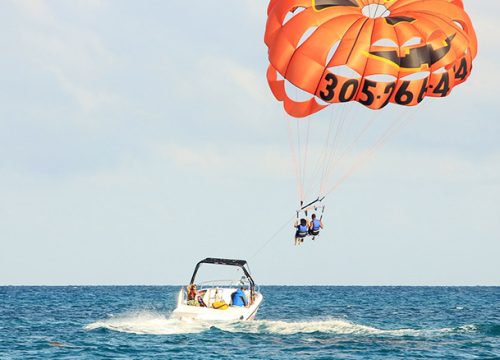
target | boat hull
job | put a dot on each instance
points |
(232, 313)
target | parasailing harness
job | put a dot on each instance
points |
(315, 206)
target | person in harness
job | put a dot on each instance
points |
(302, 231)
(315, 226)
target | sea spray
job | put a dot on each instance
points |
(148, 322)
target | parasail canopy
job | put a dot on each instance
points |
(374, 52)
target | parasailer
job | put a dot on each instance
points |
(372, 52)
(315, 225)
(305, 227)
(302, 231)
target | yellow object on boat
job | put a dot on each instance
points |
(220, 305)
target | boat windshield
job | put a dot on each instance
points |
(223, 283)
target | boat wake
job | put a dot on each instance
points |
(147, 322)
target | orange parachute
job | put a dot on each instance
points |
(374, 52)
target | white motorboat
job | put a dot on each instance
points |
(212, 301)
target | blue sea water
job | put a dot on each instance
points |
(132, 322)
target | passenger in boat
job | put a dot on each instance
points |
(201, 302)
(191, 292)
(302, 231)
(315, 226)
(191, 295)
(238, 298)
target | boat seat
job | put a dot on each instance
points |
(214, 294)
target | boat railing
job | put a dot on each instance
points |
(205, 286)
(220, 283)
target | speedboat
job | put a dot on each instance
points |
(212, 300)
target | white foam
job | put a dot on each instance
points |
(147, 322)
(332, 326)
(467, 328)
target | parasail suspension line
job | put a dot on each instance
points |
(271, 238)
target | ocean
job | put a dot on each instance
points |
(307, 322)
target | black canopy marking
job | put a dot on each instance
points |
(323, 4)
(416, 57)
(394, 20)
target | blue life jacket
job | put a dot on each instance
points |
(302, 230)
(238, 298)
(316, 225)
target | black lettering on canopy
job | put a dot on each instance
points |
(323, 4)
(417, 57)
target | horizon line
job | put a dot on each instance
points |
(269, 285)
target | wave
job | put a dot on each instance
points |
(330, 326)
(147, 322)
(490, 329)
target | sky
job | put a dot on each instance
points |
(137, 138)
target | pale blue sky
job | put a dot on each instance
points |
(138, 137)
